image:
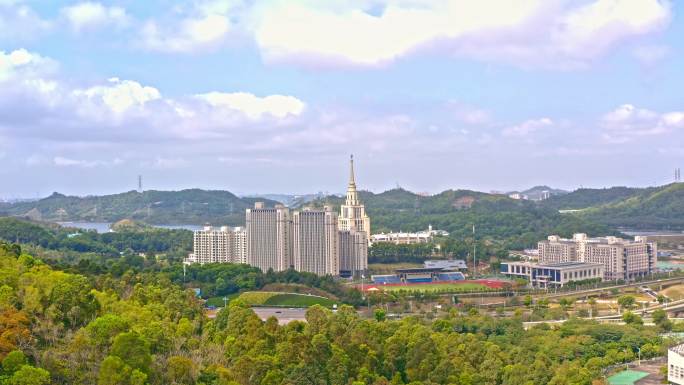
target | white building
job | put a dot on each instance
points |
(315, 242)
(623, 259)
(269, 237)
(675, 364)
(353, 212)
(402, 238)
(553, 274)
(219, 245)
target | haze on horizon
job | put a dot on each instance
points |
(273, 96)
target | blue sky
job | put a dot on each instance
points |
(273, 96)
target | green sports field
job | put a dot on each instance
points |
(264, 298)
(437, 287)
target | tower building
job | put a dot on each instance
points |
(315, 244)
(269, 237)
(353, 212)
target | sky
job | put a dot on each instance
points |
(273, 96)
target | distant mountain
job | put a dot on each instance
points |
(290, 200)
(586, 197)
(650, 208)
(538, 193)
(193, 206)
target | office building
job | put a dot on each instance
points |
(353, 249)
(269, 237)
(353, 212)
(219, 245)
(555, 274)
(621, 258)
(315, 241)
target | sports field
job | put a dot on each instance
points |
(626, 377)
(436, 287)
(266, 298)
(449, 287)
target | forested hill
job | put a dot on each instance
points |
(588, 197)
(652, 208)
(497, 217)
(192, 206)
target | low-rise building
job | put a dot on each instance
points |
(553, 274)
(675, 364)
(447, 264)
(407, 238)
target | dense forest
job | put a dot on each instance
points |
(141, 328)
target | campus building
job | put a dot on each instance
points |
(402, 238)
(315, 241)
(353, 248)
(675, 365)
(269, 237)
(219, 245)
(621, 258)
(555, 274)
(353, 212)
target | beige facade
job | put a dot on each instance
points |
(622, 259)
(353, 212)
(353, 247)
(269, 237)
(315, 242)
(219, 245)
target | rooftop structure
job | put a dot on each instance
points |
(405, 238)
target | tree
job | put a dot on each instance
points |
(379, 315)
(13, 361)
(132, 350)
(631, 318)
(626, 301)
(180, 370)
(28, 375)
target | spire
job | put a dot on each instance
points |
(352, 195)
(351, 170)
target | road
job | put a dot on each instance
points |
(284, 315)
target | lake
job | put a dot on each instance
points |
(103, 227)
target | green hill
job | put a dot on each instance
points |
(497, 217)
(587, 197)
(192, 206)
(652, 208)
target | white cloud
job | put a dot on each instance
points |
(61, 161)
(627, 122)
(21, 62)
(121, 95)
(548, 33)
(527, 127)
(202, 27)
(19, 22)
(253, 106)
(90, 15)
(651, 54)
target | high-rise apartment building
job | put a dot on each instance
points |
(219, 245)
(269, 237)
(315, 241)
(353, 247)
(622, 259)
(353, 212)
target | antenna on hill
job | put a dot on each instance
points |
(140, 184)
(678, 175)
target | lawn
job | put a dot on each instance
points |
(218, 301)
(298, 300)
(265, 298)
(437, 287)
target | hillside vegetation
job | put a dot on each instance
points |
(193, 206)
(653, 208)
(519, 223)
